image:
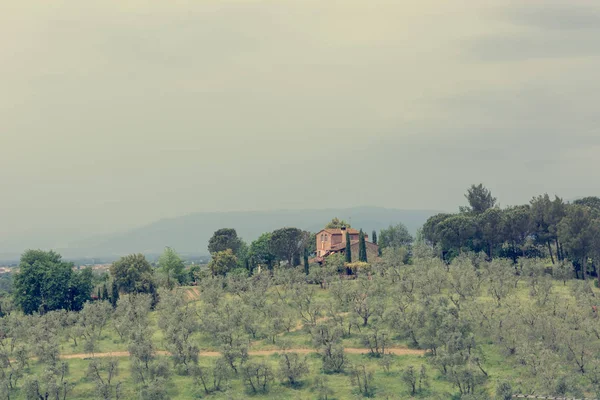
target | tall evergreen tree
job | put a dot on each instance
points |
(154, 294)
(362, 247)
(306, 266)
(114, 298)
(374, 239)
(348, 248)
(99, 294)
(105, 295)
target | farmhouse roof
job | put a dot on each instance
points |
(338, 231)
(341, 246)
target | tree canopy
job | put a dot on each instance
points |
(337, 223)
(544, 227)
(223, 239)
(395, 236)
(171, 265)
(261, 251)
(480, 199)
(579, 232)
(289, 242)
(45, 282)
(592, 202)
(133, 274)
(223, 262)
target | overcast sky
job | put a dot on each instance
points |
(117, 113)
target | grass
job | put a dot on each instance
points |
(387, 385)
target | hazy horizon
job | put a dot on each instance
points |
(189, 234)
(43, 240)
(115, 115)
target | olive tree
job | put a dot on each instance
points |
(103, 373)
(257, 376)
(178, 321)
(292, 367)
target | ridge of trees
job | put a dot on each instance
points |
(544, 227)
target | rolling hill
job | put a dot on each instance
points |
(189, 234)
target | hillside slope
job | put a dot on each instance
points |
(190, 233)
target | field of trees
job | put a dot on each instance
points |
(484, 328)
(448, 315)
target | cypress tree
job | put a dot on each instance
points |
(114, 298)
(99, 294)
(306, 266)
(374, 239)
(348, 248)
(362, 247)
(105, 295)
(154, 294)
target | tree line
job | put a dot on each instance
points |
(545, 227)
(289, 245)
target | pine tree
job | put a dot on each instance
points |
(362, 247)
(306, 266)
(114, 298)
(348, 248)
(105, 295)
(374, 239)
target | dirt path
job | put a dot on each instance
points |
(192, 294)
(397, 351)
(299, 327)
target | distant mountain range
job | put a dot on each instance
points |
(189, 234)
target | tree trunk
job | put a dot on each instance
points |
(550, 251)
(562, 251)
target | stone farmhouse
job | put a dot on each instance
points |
(331, 241)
